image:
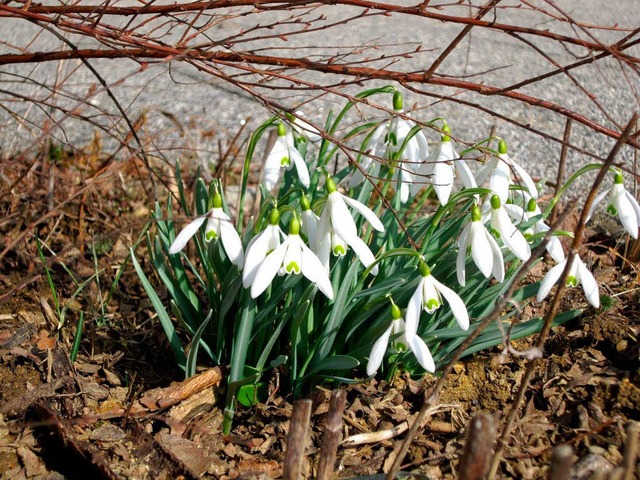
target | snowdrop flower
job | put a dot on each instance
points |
(292, 257)
(579, 274)
(218, 226)
(303, 128)
(440, 168)
(509, 234)
(484, 250)
(500, 170)
(284, 155)
(309, 223)
(386, 143)
(400, 343)
(517, 213)
(337, 230)
(428, 297)
(260, 246)
(622, 203)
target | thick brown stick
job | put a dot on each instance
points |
(474, 463)
(561, 461)
(296, 439)
(332, 435)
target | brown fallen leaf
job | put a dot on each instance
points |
(45, 342)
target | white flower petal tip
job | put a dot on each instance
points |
(185, 234)
(579, 274)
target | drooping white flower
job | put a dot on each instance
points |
(428, 297)
(622, 203)
(512, 237)
(337, 230)
(293, 257)
(219, 225)
(284, 155)
(499, 168)
(309, 223)
(441, 166)
(260, 246)
(518, 214)
(485, 251)
(579, 274)
(388, 143)
(402, 342)
(303, 128)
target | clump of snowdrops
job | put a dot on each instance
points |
(385, 263)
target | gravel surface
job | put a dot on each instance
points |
(190, 113)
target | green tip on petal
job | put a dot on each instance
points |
(531, 205)
(210, 235)
(446, 133)
(292, 267)
(395, 311)
(495, 202)
(502, 147)
(339, 251)
(572, 281)
(282, 130)
(432, 304)
(611, 210)
(294, 226)
(217, 201)
(397, 101)
(331, 185)
(305, 203)
(425, 271)
(618, 178)
(285, 162)
(400, 347)
(274, 217)
(476, 214)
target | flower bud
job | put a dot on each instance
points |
(495, 202)
(502, 147)
(274, 217)
(397, 101)
(294, 226)
(217, 201)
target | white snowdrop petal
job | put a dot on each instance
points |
(301, 166)
(313, 269)
(442, 181)
(526, 179)
(422, 353)
(272, 165)
(550, 279)
(455, 303)
(500, 180)
(626, 212)
(365, 211)
(414, 308)
(498, 261)
(231, 242)
(268, 269)
(185, 234)
(361, 249)
(256, 252)
(589, 284)
(596, 201)
(377, 352)
(510, 235)
(466, 175)
(479, 239)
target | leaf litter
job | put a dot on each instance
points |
(121, 410)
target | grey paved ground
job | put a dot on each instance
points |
(191, 112)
